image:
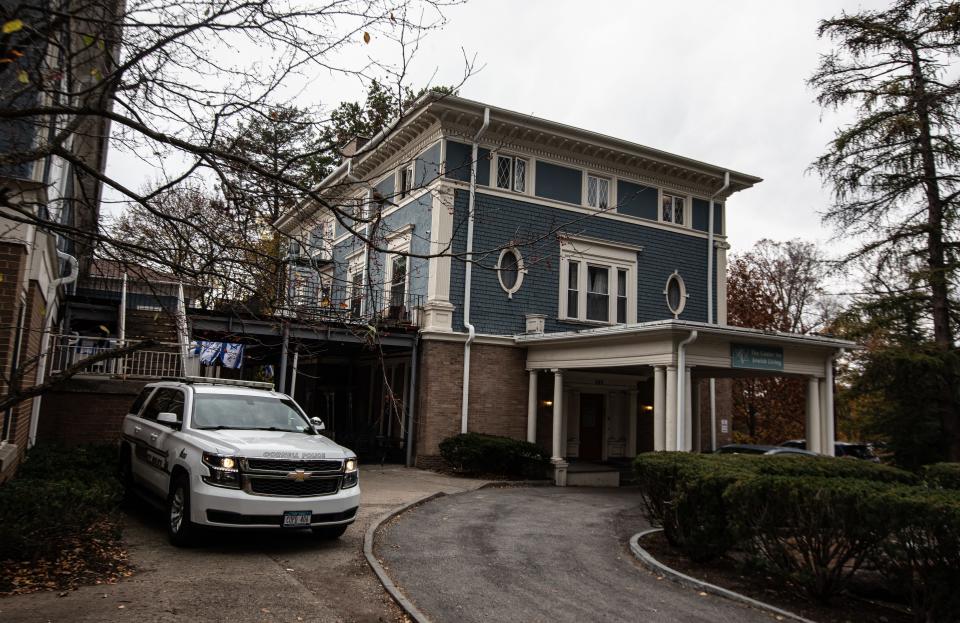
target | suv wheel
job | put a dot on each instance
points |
(179, 527)
(329, 533)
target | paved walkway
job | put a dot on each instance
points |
(536, 554)
(238, 577)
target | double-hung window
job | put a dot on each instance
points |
(672, 209)
(598, 192)
(405, 181)
(597, 282)
(398, 281)
(511, 173)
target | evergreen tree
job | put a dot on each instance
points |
(895, 171)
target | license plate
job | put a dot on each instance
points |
(297, 519)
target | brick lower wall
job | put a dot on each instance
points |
(86, 410)
(724, 408)
(498, 394)
(13, 267)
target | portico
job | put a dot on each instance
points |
(605, 379)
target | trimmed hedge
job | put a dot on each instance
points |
(473, 453)
(813, 532)
(813, 520)
(942, 475)
(923, 551)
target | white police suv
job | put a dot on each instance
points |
(236, 454)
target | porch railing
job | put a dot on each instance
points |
(158, 361)
(344, 304)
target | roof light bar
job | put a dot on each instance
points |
(213, 381)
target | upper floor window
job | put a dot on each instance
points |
(512, 173)
(405, 181)
(598, 192)
(673, 209)
(597, 283)
(510, 270)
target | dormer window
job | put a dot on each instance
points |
(512, 173)
(673, 209)
(598, 192)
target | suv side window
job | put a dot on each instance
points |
(175, 403)
(158, 404)
(142, 398)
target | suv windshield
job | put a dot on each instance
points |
(223, 411)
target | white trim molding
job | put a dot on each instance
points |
(519, 267)
(675, 277)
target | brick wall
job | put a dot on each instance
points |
(29, 350)
(498, 394)
(12, 273)
(86, 410)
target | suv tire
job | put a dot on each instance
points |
(180, 529)
(329, 533)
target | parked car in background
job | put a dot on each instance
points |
(236, 454)
(861, 451)
(746, 448)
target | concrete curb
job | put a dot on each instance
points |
(651, 563)
(368, 540)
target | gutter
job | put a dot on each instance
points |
(468, 276)
(681, 388)
(45, 339)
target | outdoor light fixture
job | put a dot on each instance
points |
(547, 403)
(648, 407)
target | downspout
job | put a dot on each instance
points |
(710, 306)
(681, 387)
(471, 330)
(45, 338)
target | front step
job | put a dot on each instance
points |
(592, 475)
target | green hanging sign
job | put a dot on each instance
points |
(755, 357)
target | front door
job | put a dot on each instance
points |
(591, 426)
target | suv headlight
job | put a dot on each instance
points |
(351, 473)
(224, 471)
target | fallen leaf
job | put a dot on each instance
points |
(23, 77)
(366, 37)
(12, 26)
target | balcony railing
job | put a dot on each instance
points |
(344, 304)
(161, 360)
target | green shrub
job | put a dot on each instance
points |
(473, 453)
(943, 475)
(923, 552)
(813, 532)
(57, 494)
(683, 494)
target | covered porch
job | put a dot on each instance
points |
(609, 393)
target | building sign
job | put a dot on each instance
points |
(756, 357)
(724, 426)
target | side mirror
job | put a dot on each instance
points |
(318, 423)
(168, 418)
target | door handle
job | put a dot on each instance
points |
(154, 436)
(137, 429)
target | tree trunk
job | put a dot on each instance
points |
(936, 264)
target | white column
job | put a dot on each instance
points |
(438, 311)
(532, 408)
(688, 413)
(632, 423)
(813, 414)
(671, 413)
(659, 408)
(828, 416)
(822, 393)
(558, 441)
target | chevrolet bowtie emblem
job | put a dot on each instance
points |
(299, 475)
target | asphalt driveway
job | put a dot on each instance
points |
(238, 577)
(536, 554)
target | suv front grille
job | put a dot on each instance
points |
(288, 465)
(292, 488)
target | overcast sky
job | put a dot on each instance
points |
(722, 82)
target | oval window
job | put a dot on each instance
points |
(510, 270)
(676, 293)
